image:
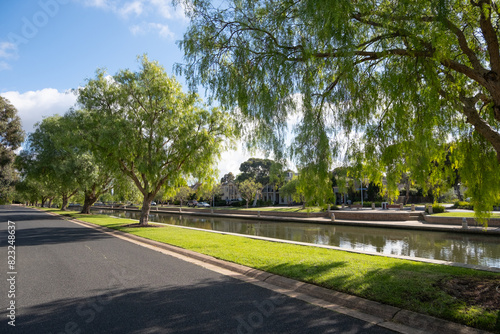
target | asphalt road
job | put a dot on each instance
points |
(71, 279)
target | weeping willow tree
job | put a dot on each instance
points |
(388, 85)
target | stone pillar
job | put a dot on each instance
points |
(464, 223)
(401, 206)
(413, 207)
(373, 205)
(343, 205)
(430, 209)
(332, 215)
(329, 207)
(180, 209)
(211, 211)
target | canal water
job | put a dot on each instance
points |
(466, 248)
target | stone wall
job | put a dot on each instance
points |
(458, 221)
(373, 216)
(247, 212)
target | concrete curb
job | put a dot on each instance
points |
(394, 318)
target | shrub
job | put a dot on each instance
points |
(436, 208)
(239, 203)
(332, 207)
(463, 205)
(261, 202)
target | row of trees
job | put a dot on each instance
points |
(134, 128)
(11, 138)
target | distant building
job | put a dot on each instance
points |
(230, 192)
(271, 192)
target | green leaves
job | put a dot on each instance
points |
(144, 125)
(249, 189)
(404, 78)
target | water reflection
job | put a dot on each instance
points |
(456, 247)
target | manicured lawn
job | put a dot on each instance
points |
(462, 214)
(265, 208)
(411, 285)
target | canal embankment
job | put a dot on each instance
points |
(397, 219)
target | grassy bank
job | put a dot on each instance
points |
(462, 214)
(265, 208)
(421, 287)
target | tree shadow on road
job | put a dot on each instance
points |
(214, 306)
(56, 235)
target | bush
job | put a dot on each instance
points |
(240, 203)
(463, 205)
(261, 202)
(436, 208)
(332, 207)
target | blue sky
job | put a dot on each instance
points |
(48, 47)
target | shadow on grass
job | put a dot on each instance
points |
(305, 271)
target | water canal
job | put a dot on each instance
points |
(466, 248)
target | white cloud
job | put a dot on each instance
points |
(102, 4)
(161, 29)
(135, 7)
(33, 106)
(137, 30)
(166, 10)
(4, 66)
(7, 50)
(163, 8)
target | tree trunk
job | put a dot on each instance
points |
(146, 207)
(407, 197)
(65, 200)
(459, 194)
(90, 199)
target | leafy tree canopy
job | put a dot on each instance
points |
(229, 177)
(257, 169)
(48, 157)
(11, 138)
(249, 189)
(398, 79)
(144, 125)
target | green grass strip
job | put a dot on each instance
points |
(406, 284)
(461, 214)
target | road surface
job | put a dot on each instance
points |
(62, 277)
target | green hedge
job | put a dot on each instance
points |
(463, 205)
(436, 208)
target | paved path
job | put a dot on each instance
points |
(73, 279)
